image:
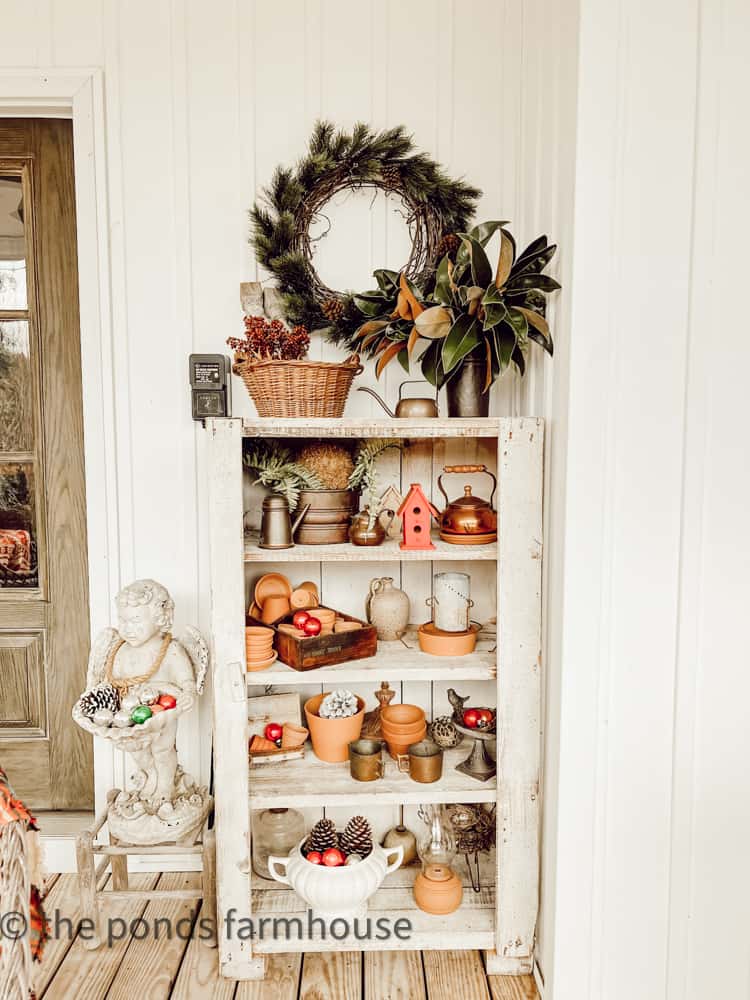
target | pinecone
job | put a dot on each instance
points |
(391, 177)
(332, 309)
(357, 837)
(102, 696)
(339, 704)
(447, 245)
(322, 836)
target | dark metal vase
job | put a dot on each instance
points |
(464, 391)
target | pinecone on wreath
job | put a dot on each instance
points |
(102, 696)
(391, 177)
(322, 836)
(448, 244)
(332, 309)
(357, 837)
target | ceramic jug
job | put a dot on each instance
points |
(387, 608)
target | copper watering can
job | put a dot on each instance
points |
(276, 527)
(417, 407)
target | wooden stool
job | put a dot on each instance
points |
(115, 856)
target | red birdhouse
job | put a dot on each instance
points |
(416, 513)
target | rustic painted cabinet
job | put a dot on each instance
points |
(506, 671)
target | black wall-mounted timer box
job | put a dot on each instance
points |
(211, 386)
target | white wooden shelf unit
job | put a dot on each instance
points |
(501, 919)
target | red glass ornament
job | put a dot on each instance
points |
(333, 857)
(300, 618)
(312, 626)
(273, 732)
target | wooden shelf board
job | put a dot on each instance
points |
(389, 551)
(471, 926)
(393, 662)
(347, 427)
(312, 782)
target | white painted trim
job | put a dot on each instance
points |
(79, 95)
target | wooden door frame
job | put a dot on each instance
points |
(79, 95)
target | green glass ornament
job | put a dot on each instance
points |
(141, 714)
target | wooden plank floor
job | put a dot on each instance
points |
(187, 969)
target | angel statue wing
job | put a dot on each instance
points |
(100, 648)
(197, 649)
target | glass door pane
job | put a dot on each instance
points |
(12, 244)
(16, 388)
(18, 520)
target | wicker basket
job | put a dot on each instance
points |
(299, 388)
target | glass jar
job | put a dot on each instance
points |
(275, 831)
(438, 845)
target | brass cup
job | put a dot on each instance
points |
(366, 760)
(423, 762)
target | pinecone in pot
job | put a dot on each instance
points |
(322, 836)
(339, 704)
(448, 244)
(102, 696)
(357, 837)
(332, 309)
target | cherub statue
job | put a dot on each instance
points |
(132, 666)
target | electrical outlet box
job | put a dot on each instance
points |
(211, 386)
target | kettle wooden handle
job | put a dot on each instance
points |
(467, 469)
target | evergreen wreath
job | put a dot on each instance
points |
(437, 206)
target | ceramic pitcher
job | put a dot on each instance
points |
(387, 609)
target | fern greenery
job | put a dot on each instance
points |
(364, 476)
(274, 467)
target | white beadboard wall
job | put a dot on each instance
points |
(202, 101)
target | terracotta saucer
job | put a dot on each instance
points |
(271, 585)
(263, 665)
(455, 539)
(436, 642)
(254, 611)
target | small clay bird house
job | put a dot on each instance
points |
(416, 513)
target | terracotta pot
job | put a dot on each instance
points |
(402, 733)
(401, 745)
(342, 890)
(331, 737)
(398, 716)
(274, 608)
(438, 890)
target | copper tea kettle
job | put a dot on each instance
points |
(468, 520)
(417, 407)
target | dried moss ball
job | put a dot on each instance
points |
(331, 463)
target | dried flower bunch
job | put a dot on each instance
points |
(269, 339)
(330, 463)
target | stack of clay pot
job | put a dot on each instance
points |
(259, 651)
(402, 725)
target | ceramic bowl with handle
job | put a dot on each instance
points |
(342, 890)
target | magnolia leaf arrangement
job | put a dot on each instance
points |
(467, 309)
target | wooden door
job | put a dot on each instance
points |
(44, 627)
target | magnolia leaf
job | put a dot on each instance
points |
(412, 341)
(518, 321)
(488, 376)
(371, 326)
(505, 343)
(544, 342)
(534, 262)
(481, 272)
(452, 276)
(388, 355)
(494, 306)
(387, 280)
(443, 281)
(403, 360)
(410, 294)
(462, 339)
(369, 306)
(434, 323)
(505, 258)
(533, 248)
(535, 320)
(484, 232)
(431, 363)
(519, 360)
(368, 341)
(541, 282)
